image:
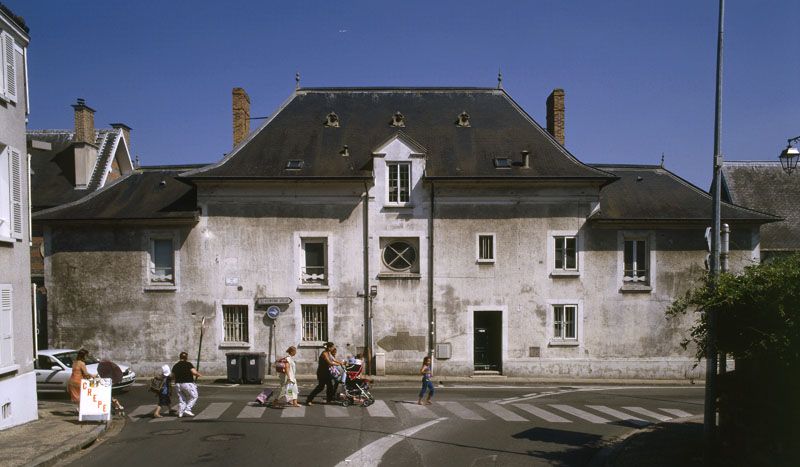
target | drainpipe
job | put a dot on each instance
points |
(431, 311)
(365, 293)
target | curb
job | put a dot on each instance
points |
(50, 458)
(615, 445)
(508, 380)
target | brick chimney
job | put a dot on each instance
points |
(84, 147)
(241, 115)
(126, 133)
(555, 115)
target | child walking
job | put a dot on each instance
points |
(427, 385)
(164, 399)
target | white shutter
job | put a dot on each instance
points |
(9, 67)
(6, 328)
(15, 167)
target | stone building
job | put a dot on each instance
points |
(394, 222)
(17, 380)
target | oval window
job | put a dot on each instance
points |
(399, 256)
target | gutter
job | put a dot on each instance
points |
(431, 309)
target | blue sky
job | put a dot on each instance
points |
(638, 75)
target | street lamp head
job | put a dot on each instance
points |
(789, 157)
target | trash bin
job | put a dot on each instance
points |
(234, 364)
(253, 366)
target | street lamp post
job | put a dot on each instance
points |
(790, 155)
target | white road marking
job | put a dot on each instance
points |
(589, 417)
(543, 414)
(333, 411)
(213, 411)
(460, 410)
(140, 411)
(379, 409)
(676, 412)
(501, 412)
(372, 454)
(648, 413)
(251, 411)
(511, 400)
(620, 415)
(293, 412)
(419, 411)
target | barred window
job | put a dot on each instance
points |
(486, 248)
(399, 182)
(315, 322)
(564, 324)
(235, 323)
(566, 257)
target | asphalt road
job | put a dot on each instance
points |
(466, 426)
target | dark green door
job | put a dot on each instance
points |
(487, 338)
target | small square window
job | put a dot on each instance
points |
(565, 325)
(566, 253)
(486, 248)
(636, 264)
(236, 324)
(315, 323)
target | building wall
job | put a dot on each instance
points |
(17, 383)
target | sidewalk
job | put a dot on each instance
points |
(54, 435)
(676, 442)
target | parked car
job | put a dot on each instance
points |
(54, 367)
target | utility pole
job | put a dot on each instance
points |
(710, 413)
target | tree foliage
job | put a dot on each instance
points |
(758, 313)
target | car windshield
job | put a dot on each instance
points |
(68, 357)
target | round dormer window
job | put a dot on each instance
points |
(399, 256)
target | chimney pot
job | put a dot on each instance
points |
(241, 115)
(555, 115)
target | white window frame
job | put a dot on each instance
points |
(301, 325)
(551, 254)
(560, 341)
(389, 164)
(299, 239)
(7, 42)
(250, 322)
(149, 284)
(478, 258)
(5, 194)
(629, 285)
(7, 329)
(13, 171)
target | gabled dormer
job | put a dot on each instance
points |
(398, 167)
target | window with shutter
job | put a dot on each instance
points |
(9, 68)
(15, 173)
(6, 326)
(5, 193)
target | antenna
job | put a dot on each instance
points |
(662, 160)
(297, 80)
(499, 79)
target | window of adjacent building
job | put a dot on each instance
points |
(566, 253)
(11, 202)
(315, 322)
(315, 256)
(565, 325)
(399, 182)
(162, 261)
(6, 326)
(8, 76)
(486, 248)
(635, 261)
(235, 323)
(399, 256)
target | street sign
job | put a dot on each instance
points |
(273, 311)
(95, 404)
(267, 301)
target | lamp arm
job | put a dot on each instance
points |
(791, 141)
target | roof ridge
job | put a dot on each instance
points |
(394, 88)
(627, 166)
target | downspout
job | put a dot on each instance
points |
(431, 310)
(365, 293)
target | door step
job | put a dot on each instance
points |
(486, 373)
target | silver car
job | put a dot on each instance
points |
(54, 367)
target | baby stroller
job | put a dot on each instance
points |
(356, 386)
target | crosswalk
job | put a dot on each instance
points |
(475, 411)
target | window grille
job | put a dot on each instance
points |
(566, 257)
(162, 261)
(399, 182)
(486, 247)
(564, 325)
(235, 322)
(315, 323)
(635, 261)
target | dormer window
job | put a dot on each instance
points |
(332, 120)
(398, 119)
(502, 163)
(294, 164)
(463, 119)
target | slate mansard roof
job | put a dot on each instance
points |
(498, 128)
(53, 170)
(763, 185)
(651, 193)
(148, 193)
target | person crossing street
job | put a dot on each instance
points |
(185, 373)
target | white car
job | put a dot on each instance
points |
(54, 367)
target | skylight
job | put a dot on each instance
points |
(502, 163)
(294, 164)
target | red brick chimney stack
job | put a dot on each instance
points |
(241, 115)
(555, 115)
